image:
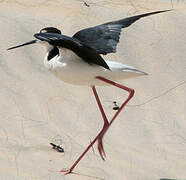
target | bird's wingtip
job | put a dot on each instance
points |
(145, 73)
(141, 72)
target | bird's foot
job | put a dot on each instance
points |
(66, 171)
(101, 149)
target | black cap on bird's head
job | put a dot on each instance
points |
(42, 31)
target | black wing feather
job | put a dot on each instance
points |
(87, 54)
(105, 37)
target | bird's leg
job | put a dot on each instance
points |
(107, 124)
(98, 137)
(129, 90)
(68, 171)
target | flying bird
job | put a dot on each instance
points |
(77, 60)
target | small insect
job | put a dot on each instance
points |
(57, 148)
(116, 107)
(86, 4)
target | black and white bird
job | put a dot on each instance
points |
(77, 60)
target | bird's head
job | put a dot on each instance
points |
(47, 30)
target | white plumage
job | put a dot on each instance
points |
(70, 68)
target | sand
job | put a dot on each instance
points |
(146, 142)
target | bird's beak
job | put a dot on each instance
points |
(27, 43)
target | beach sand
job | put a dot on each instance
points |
(148, 139)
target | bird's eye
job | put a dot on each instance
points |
(43, 31)
(50, 30)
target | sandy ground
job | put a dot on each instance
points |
(146, 142)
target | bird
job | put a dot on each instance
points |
(78, 60)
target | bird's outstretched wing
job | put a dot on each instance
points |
(105, 37)
(88, 54)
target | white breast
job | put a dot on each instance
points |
(72, 69)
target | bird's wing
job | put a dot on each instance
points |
(105, 37)
(87, 54)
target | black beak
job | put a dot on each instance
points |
(27, 43)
